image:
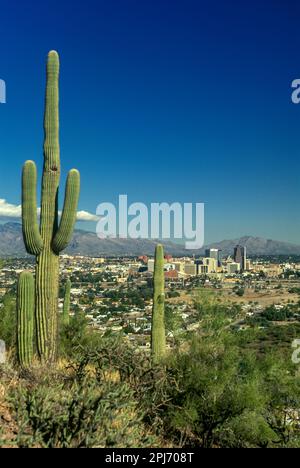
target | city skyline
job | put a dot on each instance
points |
(189, 113)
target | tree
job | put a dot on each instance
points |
(8, 320)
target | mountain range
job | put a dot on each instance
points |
(88, 244)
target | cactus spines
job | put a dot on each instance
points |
(25, 318)
(66, 306)
(48, 240)
(158, 334)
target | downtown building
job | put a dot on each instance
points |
(214, 253)
(239, 256)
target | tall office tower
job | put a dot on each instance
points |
(214, 253)
(239, 256)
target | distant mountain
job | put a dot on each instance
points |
(11, 240)
(88, 244)
(84, 243)
(257, 246)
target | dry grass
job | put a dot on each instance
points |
(263, 298)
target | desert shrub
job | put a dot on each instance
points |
(174, 322)
(8, 320)
(172, 293)
(281, 384)
(77, 409)
(216, 394)
(217, 389)
(240, 292)
(208, 306)
(208, 388)
(273, 314)
(110, 357)
(74, 334)
(96, 399)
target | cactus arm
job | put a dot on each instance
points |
(31, 234)
(68, 218)
(158, 334)
(25, 318)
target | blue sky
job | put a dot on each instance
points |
(183, 101)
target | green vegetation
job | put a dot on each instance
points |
(216, 392)
(8, 320)
(294, 290)
(174, 322)
(74, 407)
(172, 294)
(287, 313)
(158, 334)
(25, 318)
(264, 340)
(66, 306)
(51, 238)
(225, 398)
(210, 305)
(240, 292)
(218, 388)
(273, 314)
(130, 297)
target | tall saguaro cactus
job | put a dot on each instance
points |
(66, 306)
(51, 237)
(25, 318)
(158, 334)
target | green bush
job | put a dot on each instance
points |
(8, 320)
(73, 335)
(78, 407)
(240, 292)
(216, 394)
(273, 314)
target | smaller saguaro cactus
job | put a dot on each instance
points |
(158, 334)
(66, 307)
(25, 318)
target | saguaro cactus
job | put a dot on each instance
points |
(158, 334)
(25, 318)
(50, 238)
(66, 306)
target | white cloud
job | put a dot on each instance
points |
(8, 210)
(86, 216)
